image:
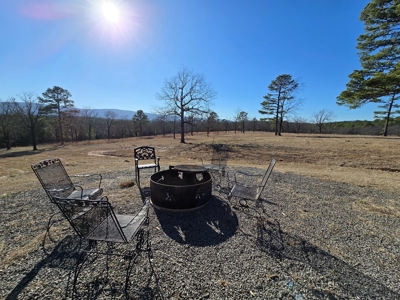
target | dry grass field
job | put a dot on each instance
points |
(359, 160)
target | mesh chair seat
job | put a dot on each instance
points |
(86, 194)
(129, 225)
(144, 166)
(95, 219)
(246, 192)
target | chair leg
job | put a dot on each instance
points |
(83, 255)
(137, 176)
(47, 234)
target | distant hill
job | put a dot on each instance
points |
(121, 114)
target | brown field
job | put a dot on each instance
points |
(357, 160)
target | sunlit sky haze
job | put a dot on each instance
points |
(118, 53)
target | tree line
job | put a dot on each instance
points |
(28, 121)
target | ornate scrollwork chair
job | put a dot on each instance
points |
(145, 157)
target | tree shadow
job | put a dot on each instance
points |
(20, 153)
(64, 255)
(278, 244)
(209, 225)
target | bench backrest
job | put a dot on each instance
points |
(144, 153)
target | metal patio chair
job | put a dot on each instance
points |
(251, 185)
(145, 157)
(57, 183)
(94, 221)
(217, 163)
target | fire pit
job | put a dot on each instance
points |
(183, 187)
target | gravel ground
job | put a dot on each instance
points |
(305, 239)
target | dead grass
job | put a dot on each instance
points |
(358, 160)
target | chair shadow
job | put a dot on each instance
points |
(209, 225)
(278, 244)
(64, 255)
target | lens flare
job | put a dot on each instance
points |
(111, 12)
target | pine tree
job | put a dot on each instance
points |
(379, 79)
(282, 88)
(56, 101)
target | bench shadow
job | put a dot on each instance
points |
(209, 225)
(278, 244)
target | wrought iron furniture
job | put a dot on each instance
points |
(95, 221)
(216, 165)
(144, 155)
(57, 183)
(253, 186)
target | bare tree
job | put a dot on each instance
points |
(321, 117)
(7, 120)
(299, 122)
(74, 126)
(187, 92)
(110, 121)
(89, 115)
(28, 112)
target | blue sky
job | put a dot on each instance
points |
(239, 46)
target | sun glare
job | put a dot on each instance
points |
(111, 12)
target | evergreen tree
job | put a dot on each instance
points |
(282, 88)
(379, 79)
(139, 120)
(56, 101)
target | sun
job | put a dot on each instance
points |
(111, 12)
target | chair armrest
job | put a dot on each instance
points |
(101, 199)
(57, 190)
(89, 175)
(158, 159)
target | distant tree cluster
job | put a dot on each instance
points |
(28, 122)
